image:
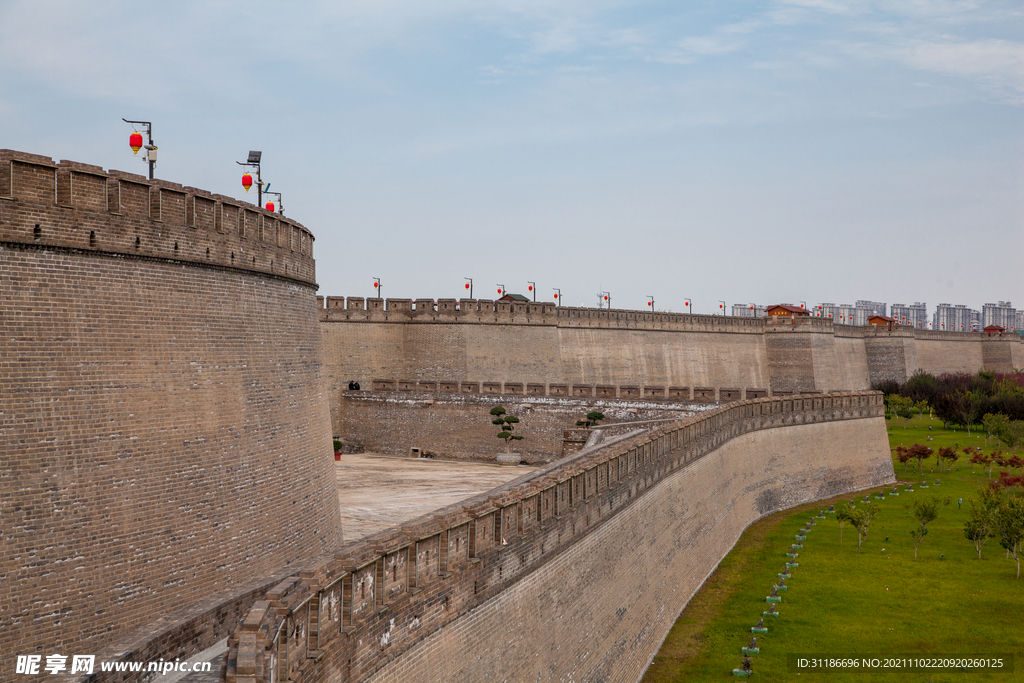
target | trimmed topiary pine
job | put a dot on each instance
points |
(507, 424)
(590, 420)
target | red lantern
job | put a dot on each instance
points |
(556, 295)
(246, 181)
(376, 285)
(499, 290)
(751, 308)
(721, 305)
(467, 285)
(687, 303)
(270, 207)
(648, 303)
(135, 142)
(530, 288)
(606, 297)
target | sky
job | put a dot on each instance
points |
(745, 152)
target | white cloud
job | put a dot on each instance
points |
(998, 63)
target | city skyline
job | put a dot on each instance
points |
(845, 149)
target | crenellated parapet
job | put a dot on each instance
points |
(350, 616)
(71, 205)
(487, 311)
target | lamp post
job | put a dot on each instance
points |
(376, 286)
(651, 302)
(469, 286)
(532, 288)
(254, 160)
(558, 296)
(688, 303)
(608, 298)
(270, 205)
(135, 142)
(501, 290)
(721, 305)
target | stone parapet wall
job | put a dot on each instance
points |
(70, 205)
(487, 311)
(457, 426)
(535, 566)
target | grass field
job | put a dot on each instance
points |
(879, 602)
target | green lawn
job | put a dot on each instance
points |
(839, 602)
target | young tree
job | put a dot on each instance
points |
(1010, 527)
(981, 522)
(950, 455)
(843, 516)
(860, 519)
(919, 452)
(590, 420)
(903, 455)
(1016, 463)
(994, 425)
(975, 457)
(1013, 435)
(925, 510)
(507, 424)
(920, 407)
(902, 407)
(992, 460)
(970, 409)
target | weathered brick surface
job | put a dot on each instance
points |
(164, 439)
(458, 426)
(941, 352)
(600, 610)
(573, 572)
(536, 345)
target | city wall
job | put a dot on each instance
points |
(162, 404)
(561, 574)
(457, 426)
(489, 342)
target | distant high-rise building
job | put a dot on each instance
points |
(1002, 314)
(841, 314)
(957, 318)
(866, 309)
(915, 315)
(744, 310)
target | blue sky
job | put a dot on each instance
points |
(747, 152)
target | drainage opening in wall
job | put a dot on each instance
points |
(92, 238)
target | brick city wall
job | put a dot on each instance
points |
(492, 342)
(561, 574)
(457, 426)
(161, 412)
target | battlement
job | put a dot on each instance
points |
(574, 390)
(487, 311)
(431, 571)
(78, 206)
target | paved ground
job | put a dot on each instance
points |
(376, 492)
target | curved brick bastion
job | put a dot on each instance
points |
(164, 441)
(574, 572)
